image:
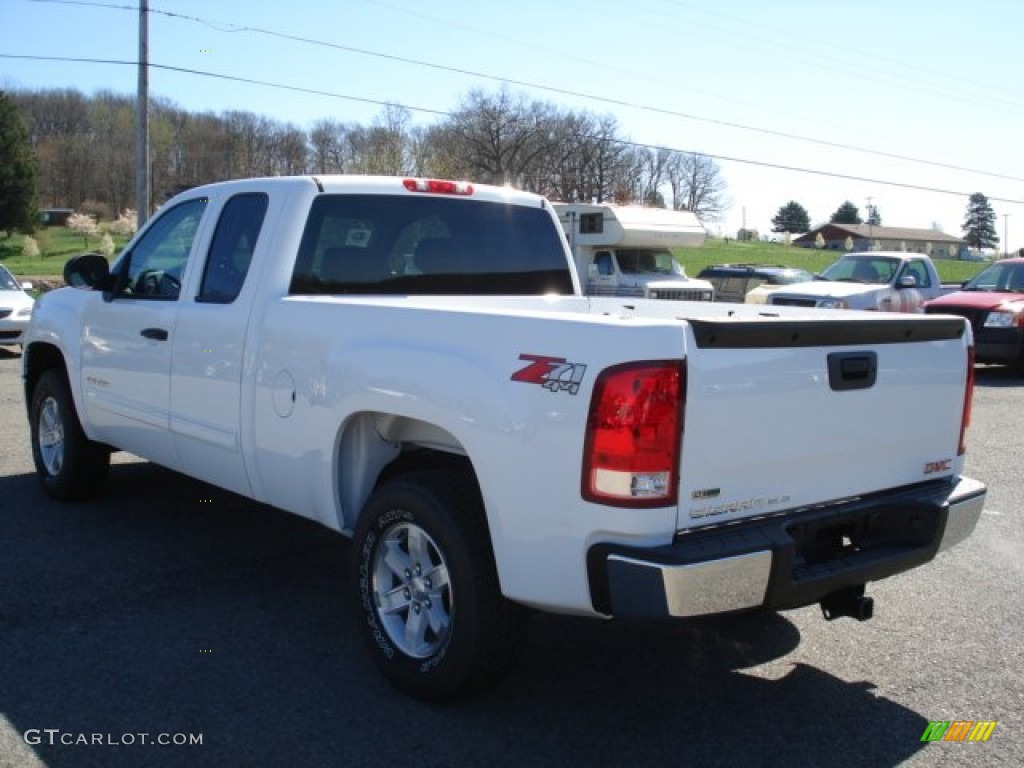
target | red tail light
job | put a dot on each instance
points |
(965, 420)
(438, 186)
(634, 432)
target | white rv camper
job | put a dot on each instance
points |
(625, 250)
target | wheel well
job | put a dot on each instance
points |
(374, 448)
(415, 459)
(39, 359)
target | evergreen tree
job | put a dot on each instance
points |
(846, 213)
(18, 172)
(980, 223)
(792, 217)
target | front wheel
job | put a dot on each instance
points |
(435, 620)
(70, 466)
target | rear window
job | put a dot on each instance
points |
(385, 244)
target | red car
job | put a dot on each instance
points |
(993, 302)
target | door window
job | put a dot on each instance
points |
(920, 272)
(157, 261)
(234, 242)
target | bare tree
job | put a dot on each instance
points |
(329, 146)
(697, 186)
(584, 158)
(502, 136)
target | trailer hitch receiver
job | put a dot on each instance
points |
(849, 601)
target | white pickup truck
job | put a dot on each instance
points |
(885, 281)
(411, 362)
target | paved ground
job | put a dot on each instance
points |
(172, 608)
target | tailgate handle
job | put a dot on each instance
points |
(852, 370)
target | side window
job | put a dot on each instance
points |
(603, 259)
(231, 250)
(918, 270)
(158, 259)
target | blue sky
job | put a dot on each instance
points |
(733, 79)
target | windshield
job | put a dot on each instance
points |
(7, 281)
(862, 269)
(790, 276)
(644, 261)
(1008, 277)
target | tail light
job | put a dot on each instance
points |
(634, 433)
(965, 419)
(438, 186)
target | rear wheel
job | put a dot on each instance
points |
(435, 620)
(70, 466)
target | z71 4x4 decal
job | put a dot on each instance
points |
(555, 374)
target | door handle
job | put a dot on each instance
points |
(158, 334)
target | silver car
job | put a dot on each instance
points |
(15, 308)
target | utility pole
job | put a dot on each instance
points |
(142, 119)
(871, 224)
(1006, 240)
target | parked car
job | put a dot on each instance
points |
(15, 308)
(750, 282)
(993, 302)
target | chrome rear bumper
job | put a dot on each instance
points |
(789, 560)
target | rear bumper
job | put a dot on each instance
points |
(785, 561)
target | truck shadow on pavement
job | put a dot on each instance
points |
(997, 376)
(170, 607)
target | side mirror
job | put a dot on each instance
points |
(907, 281)
(26, 285)
(89, 271)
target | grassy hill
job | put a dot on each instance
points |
(56, 244)
(716, 251)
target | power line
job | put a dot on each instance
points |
(219, 76)
(771, 36)
(442, 113)
(560, 91)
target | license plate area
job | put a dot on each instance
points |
(823, 546)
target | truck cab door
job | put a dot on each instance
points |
(602, 280)
(127, 338)
(209, 347)
(914, 292)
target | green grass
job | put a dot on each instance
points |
(716, 251)
(58, 244)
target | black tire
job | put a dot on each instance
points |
(436, 622)
(70, 466)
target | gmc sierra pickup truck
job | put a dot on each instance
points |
(411, 362)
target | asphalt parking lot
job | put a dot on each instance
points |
(169, 608)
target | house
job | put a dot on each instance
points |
(868, 237)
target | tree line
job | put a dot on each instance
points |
(83, 147)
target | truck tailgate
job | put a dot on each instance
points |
(814, 411)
